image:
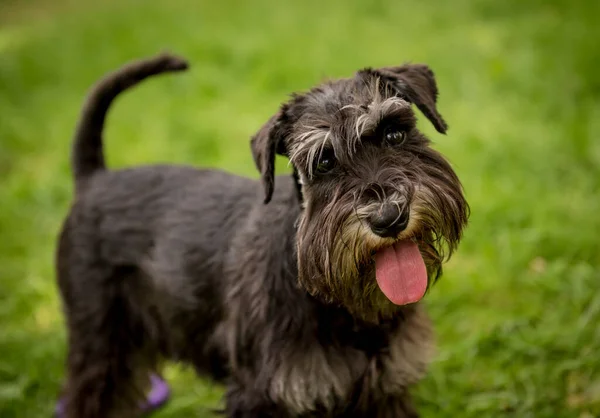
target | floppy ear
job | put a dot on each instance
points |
(416, 82)
(265, 144)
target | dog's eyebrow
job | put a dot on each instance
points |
(372, 114)
(390, 106)
(309, 144)
(311, 135)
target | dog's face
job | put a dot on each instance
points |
(381, 209)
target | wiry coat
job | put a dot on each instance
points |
(167, 262)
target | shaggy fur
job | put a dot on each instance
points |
(267, 286)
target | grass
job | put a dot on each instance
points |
(517, 312)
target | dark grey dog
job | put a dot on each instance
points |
(299, 294)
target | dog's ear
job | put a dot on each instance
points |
(265, 144)
(416, 83)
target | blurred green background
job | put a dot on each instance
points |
(517, 313)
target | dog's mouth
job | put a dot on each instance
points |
(401, 273)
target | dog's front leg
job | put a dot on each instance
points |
(244, 402)
(398, 406)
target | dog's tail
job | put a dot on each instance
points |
(87, 154)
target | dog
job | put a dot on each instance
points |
(301, 292)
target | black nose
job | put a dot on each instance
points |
(389, 220)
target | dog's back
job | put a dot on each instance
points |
(130, 208)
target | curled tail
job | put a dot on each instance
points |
(87, 155)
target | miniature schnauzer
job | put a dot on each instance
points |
(299, 292)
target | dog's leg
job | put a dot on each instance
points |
(110, 333)
(400, 406)
(105, 342)
(247, 403)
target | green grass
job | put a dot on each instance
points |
(517, 313)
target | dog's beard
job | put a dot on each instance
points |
(334, 263)
(336, 245)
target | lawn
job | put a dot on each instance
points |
(518, 309)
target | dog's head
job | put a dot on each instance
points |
(382, 210)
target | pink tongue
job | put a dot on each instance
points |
(401, 273)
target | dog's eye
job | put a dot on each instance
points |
(394, 135)
(325, 163)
